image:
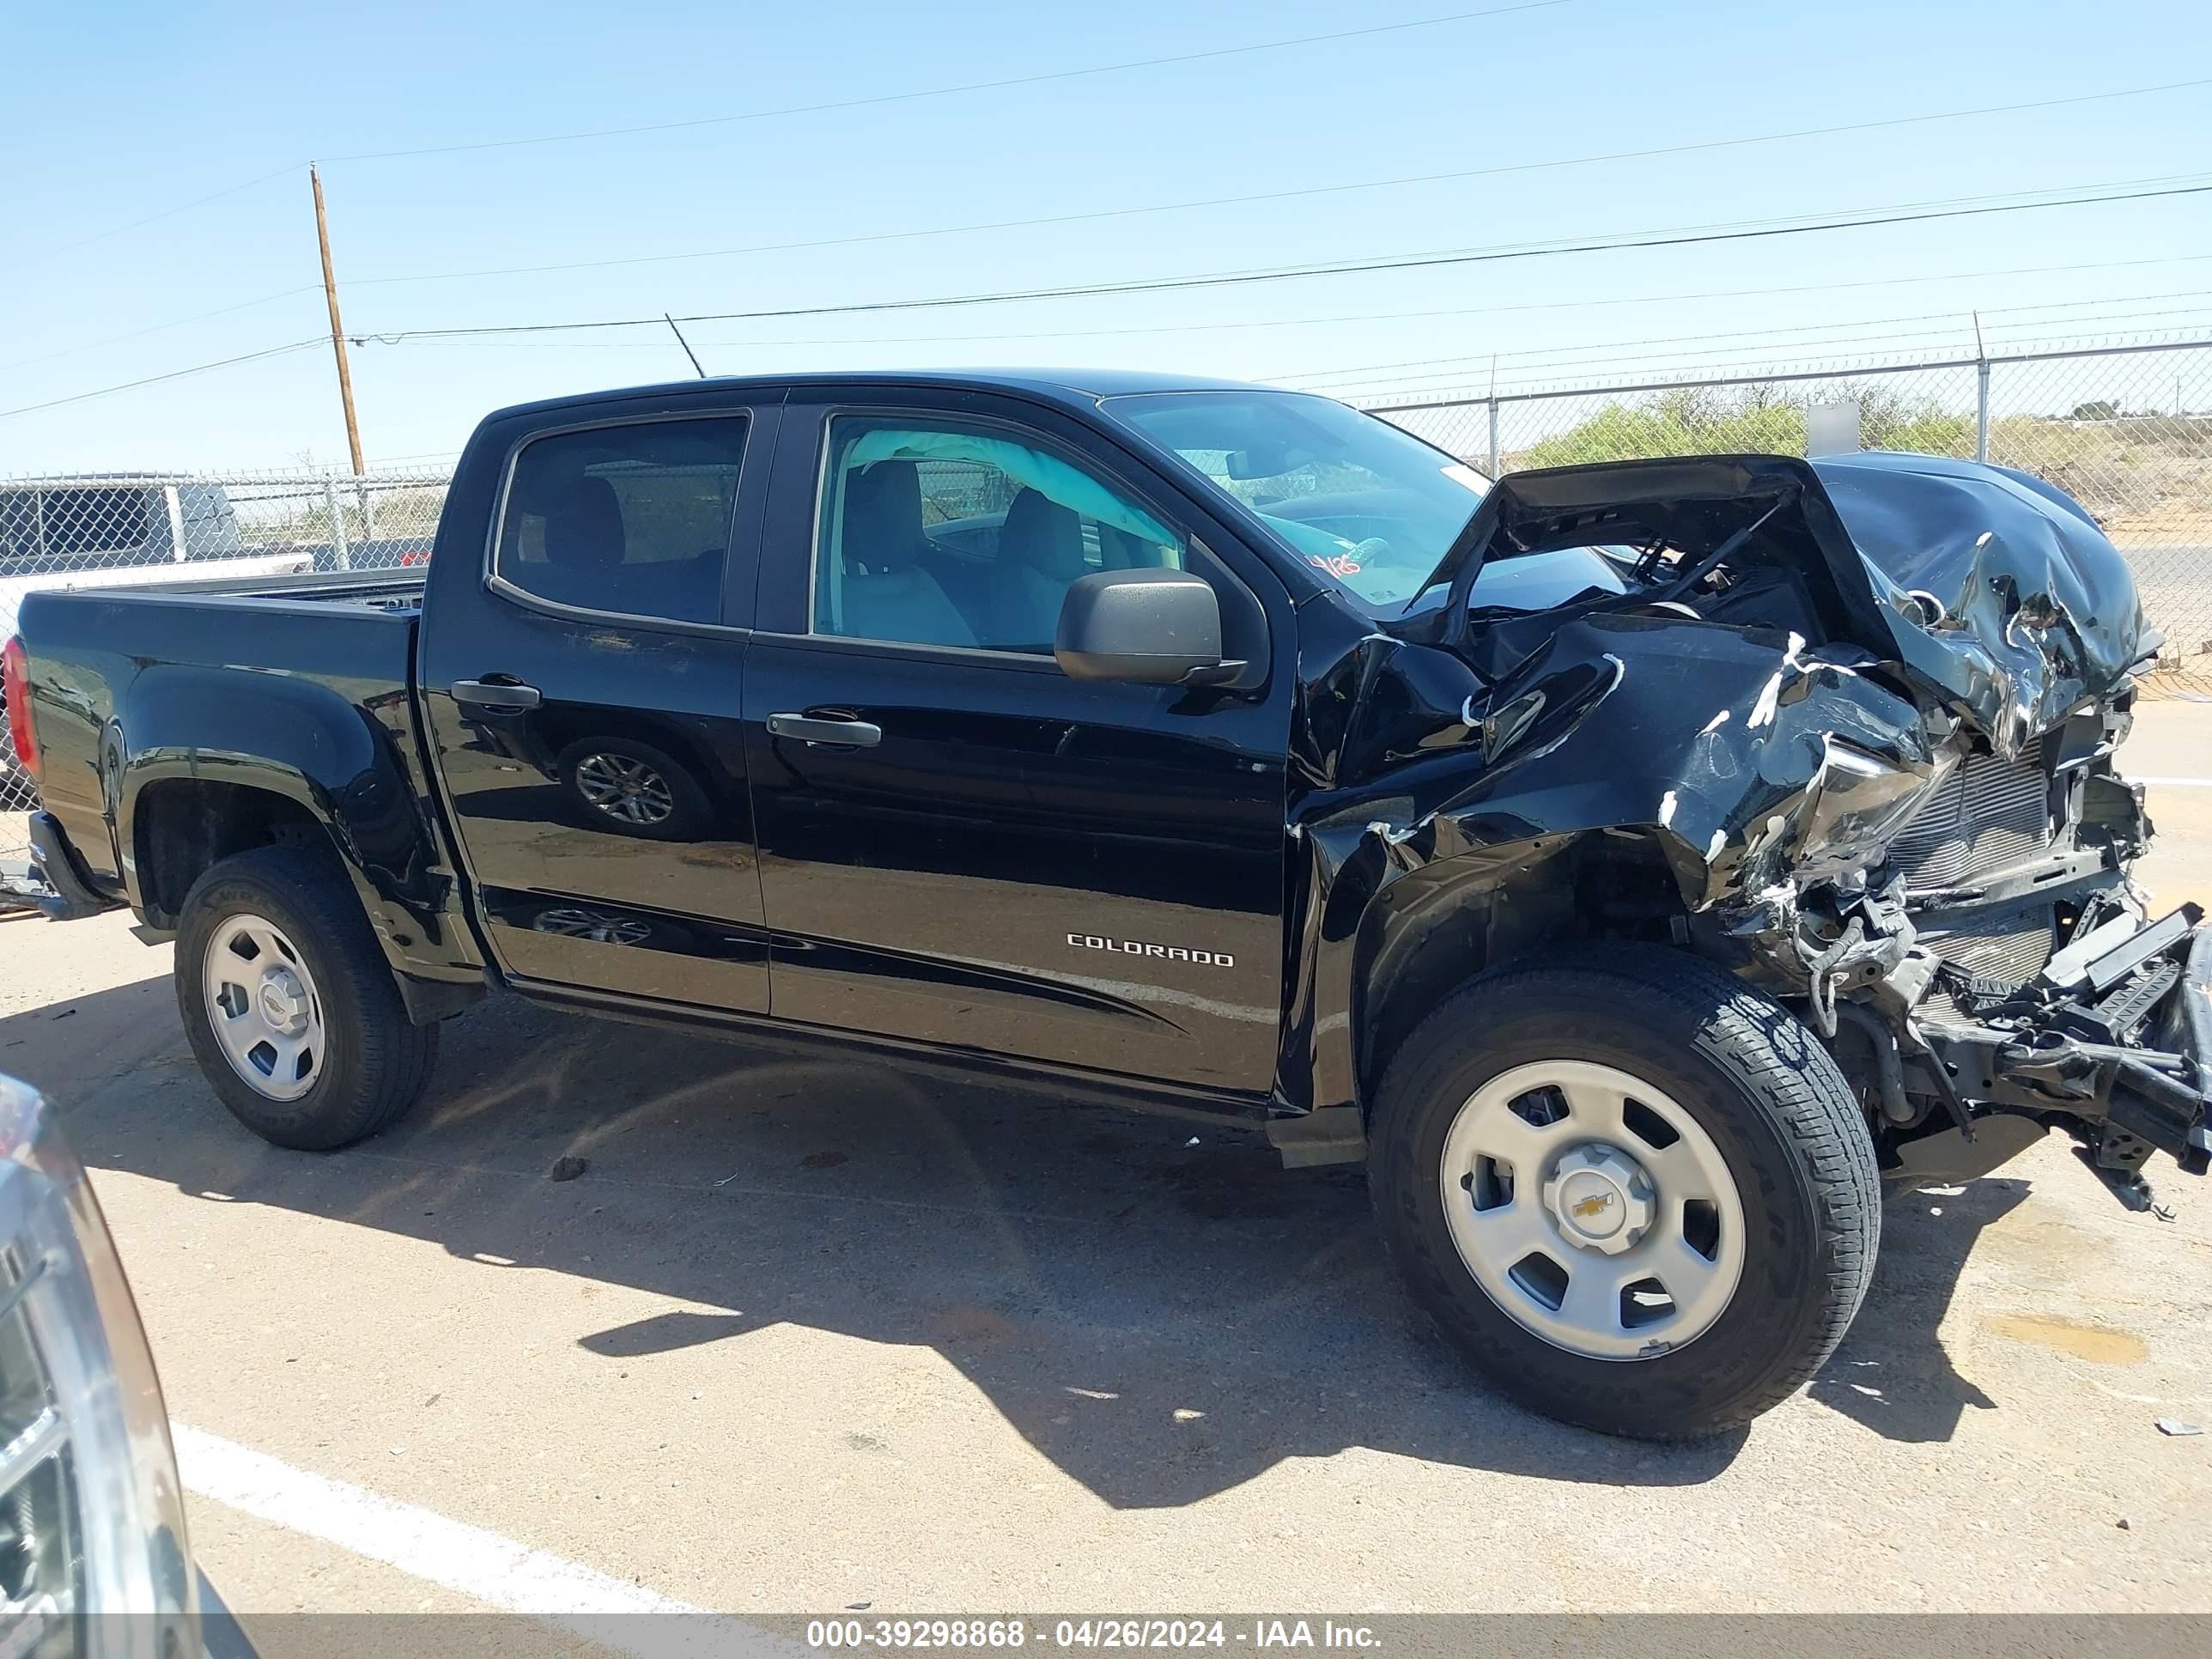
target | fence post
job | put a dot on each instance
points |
(1982, 410)
(1493, 436)
(362, 494)
(337, 521)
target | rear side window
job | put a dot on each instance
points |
(19, 532)
(633, 520)
(91, 527)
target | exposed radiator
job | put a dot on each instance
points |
(1988, 813)
(2009, 945)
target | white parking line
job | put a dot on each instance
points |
(494, 1570)
(2175, 783)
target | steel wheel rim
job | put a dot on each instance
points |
(626, 788)
(1607, 1180)
(264, 1007)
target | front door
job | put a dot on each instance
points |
(960, 845)
(583, 693)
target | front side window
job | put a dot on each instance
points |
(633, 520)
(949, 534)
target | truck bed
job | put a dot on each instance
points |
(198, 679)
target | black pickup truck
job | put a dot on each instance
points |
(1630, 862)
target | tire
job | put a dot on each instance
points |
(373, 1061)
(667, 802)
(1753, 1100)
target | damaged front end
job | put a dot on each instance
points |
(1867, 708)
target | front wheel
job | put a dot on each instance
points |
(289, 1006)
(1635, 1192)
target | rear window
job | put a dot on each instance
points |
(210, 522)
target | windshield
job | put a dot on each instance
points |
(1369, 506)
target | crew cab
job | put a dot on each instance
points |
(1630, 862)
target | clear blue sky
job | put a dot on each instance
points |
(119, 111)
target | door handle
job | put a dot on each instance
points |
(494, 694)
(844, 734)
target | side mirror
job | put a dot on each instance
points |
(1151, 626)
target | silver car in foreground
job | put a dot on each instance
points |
(93, 1556)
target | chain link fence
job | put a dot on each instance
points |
(2125, 430)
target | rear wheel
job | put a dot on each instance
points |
(289, 1005)
(1634, 1192)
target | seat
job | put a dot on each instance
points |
(587, 563)
(887, 595)
(585, 544)
(1039, 555)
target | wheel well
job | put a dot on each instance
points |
(1444, 925)
(183, 826)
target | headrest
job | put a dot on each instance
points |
(586, 529)
(883, 517)
(1044, 536)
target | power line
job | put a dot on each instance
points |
(1336, 319)
(156, 328)
(1865, 219)
(954, 91)
(16, 263)
(1395, 183)
(1109, 213)
(173, 375)
(1766, 355)
(1437, 364)
(19, 262)
(1526, 394)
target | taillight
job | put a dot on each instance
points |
(15, 677)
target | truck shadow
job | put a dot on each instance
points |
(1153, 1305)
(1892, 1373)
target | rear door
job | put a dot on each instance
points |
(582, 679)
(960, 845)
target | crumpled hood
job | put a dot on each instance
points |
(2038, 608)
(1993, 589)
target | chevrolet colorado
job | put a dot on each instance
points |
(1630, 862)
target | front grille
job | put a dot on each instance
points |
(1988, 814)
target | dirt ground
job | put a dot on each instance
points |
(804, 1336)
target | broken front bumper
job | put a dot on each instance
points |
(2113, 1037)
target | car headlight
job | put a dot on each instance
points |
(93, 1556)
(1859, 804)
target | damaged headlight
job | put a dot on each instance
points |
(93, 1558)
(1859, 803)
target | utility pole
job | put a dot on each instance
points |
(338, 329)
